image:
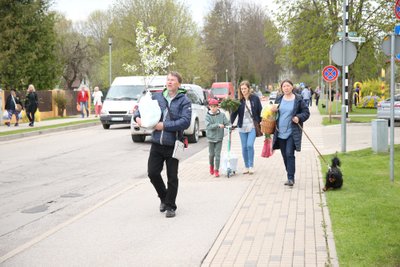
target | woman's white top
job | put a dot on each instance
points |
(97, 97)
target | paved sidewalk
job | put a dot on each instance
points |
(274, 225)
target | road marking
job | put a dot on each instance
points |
(57, 228)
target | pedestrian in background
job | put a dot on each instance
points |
(317, 95)
(176, 111)
(216, 121)
(97, 95)
(306, 94)
(13, 107)
(249, 110)
(82, 100)
(31, 104)
(292, 112)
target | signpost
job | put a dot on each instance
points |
(397, 9)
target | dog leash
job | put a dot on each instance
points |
(313, 144)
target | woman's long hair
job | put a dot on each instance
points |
(247, 84)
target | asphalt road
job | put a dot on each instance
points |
(54, 180)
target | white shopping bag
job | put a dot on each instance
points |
(150, 112)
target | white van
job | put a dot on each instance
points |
(198, 124)
(123, 96)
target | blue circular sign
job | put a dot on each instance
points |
(330, 73)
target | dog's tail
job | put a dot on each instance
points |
(335, 162)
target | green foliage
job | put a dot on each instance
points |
(230, 105)
(369, 102)
(61, 102)
(364, 212)
(27, 45)
(374, 88)
(307, 44)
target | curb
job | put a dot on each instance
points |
(45, 131)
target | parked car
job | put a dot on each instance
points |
(199, 111)
(384, 109)
(122, 97)
(208, 94)
(272, 97)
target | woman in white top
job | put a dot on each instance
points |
(97, 95)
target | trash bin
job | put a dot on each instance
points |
(380, 135)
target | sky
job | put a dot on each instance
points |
(78, 10)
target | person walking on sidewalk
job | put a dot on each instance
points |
(82, 100)
(216, 121)
(249, 110)
(31, 104)
(287, 137)
(97, 95)
(176, 117)
(13, 107)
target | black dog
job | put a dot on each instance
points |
(334, 177)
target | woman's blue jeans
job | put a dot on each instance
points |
(247, 140)
(287, 151)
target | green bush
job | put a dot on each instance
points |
(61, 102)
(369, 102)
(374, 88)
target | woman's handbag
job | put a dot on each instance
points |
(257, 126)
(5, 115)
(78, 107)
(18, 107)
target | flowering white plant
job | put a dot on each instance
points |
(153, 51)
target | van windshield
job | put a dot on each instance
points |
(220, 91)
(125, 92)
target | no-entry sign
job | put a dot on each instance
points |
(397, 9)
(330, 73)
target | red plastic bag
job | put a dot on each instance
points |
(267, 148)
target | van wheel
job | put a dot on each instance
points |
(194, 138)
(138, 138)
(106, 126)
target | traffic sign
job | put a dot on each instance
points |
(386, 45)
(337, 56)
(397, 9)
(330, 73)
(349, 34)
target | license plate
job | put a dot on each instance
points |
(117, 119)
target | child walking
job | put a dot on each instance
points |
(215, 124)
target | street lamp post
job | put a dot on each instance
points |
(110, 45)
(226, 75)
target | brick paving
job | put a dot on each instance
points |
(274, 225)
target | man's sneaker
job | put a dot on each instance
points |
(289, 183)
(246, 171)
(251, 170)
(170, 213)
(163, 207)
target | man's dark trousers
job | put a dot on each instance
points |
(159, 154)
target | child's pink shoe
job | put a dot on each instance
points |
(211, 169)
(216, 173)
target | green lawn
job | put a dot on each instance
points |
(338, 105)
(353, 119)
(34, 129)
(365, 213)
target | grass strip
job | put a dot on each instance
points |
(40, 128)
(365, 212)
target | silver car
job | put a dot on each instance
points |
(384, 109)
(272, 96)
(197, 125)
